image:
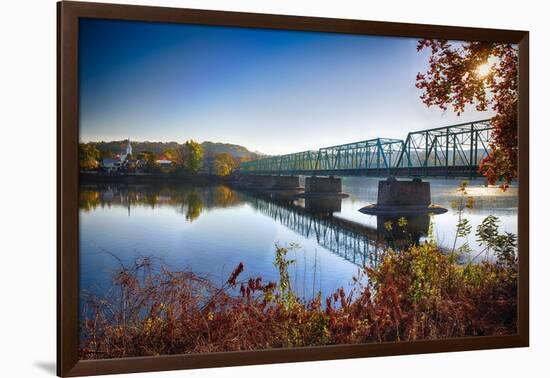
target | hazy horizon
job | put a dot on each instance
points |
(271, 91)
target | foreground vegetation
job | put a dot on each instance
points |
(414, 294)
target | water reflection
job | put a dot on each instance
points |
(312, 218)
(323, 206)
(400, 232)
(188, 200)
(333, 223)
(354, 242)
(212, 228)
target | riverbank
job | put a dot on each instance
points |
(152, 178)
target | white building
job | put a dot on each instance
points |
(120, 160)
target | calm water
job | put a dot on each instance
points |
(210, 229)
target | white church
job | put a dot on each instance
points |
(119, 161)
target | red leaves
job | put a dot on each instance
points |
(179, 312)
(452, 80)
(232, 281)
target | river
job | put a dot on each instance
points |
(211, 229)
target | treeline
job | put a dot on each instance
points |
(110, 149)
(190, 157)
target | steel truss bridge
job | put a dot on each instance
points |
(449, 151)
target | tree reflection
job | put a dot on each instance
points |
(194, 204)
(189, 200)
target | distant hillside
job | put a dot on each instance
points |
(214, 148)
(210, 148)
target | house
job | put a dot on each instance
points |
(111, 165)
(164, 162)
(119, 161)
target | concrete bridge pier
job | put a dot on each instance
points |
(254, 181)
(397, 198)
(404, 193)
(261, 181)
(285, 182)
(323, 186)
(268, 182)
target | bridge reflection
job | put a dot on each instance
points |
(310, 217)
(358, 243)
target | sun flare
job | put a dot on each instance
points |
(483, 69)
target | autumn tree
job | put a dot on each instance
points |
(484, 75)
(224, 164)
(88, 156)
(150, 160)
(192, 154)
(174, 155)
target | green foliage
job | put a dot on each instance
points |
(192, 154)
(88, 156)
(463, 228)
(286, 296)
(150, 161)
(487, 231)
(108, 149)
(504, 245)
(190, 157)
(224, 164)
(174, 155)
(194, 205)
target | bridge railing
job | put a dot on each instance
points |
(449, 150)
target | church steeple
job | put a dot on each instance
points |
(128, 148)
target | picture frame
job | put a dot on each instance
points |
(68, 15)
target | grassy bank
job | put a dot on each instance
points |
(415, 294)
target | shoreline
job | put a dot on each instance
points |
(92, 177)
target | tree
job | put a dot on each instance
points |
(88, 156)
(224, 164)
(209, 160)
(485, 75)
(150, 160)
(174, 155)
(192, 154)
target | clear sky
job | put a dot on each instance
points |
(269, 90)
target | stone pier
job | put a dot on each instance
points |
(285, 182)
(403, 198)
(323, 185)
(261, 181)
(268, 182)
(254, 181)
(404, 193)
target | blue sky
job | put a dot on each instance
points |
(272, 91)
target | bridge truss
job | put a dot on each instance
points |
(449, 151)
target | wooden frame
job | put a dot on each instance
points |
(67, 184)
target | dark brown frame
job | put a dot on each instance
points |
(68, 14)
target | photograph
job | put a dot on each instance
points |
(248, 189)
